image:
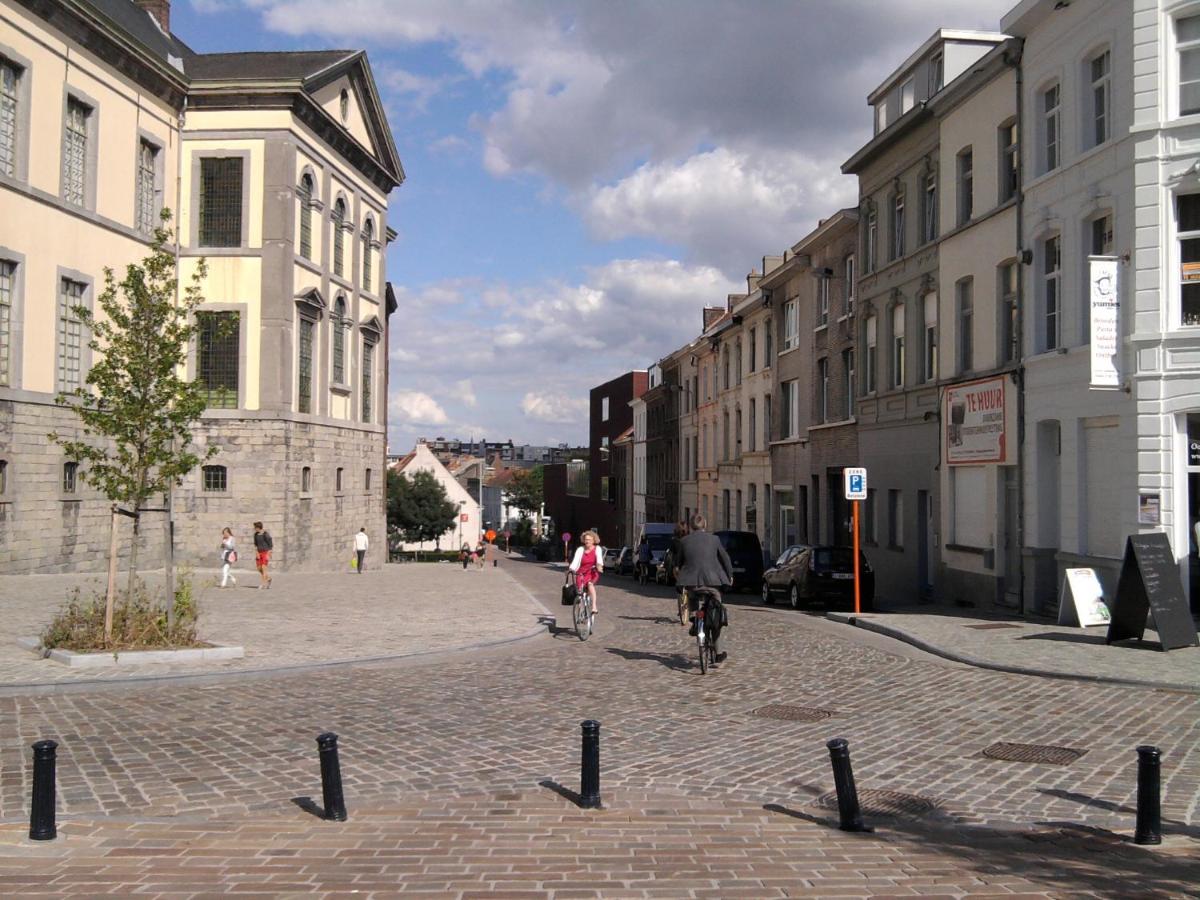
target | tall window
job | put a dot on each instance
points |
(929, 203)
(1050, 127)
(725, 367)
(870, 529)
(737, 360)
(768, 346)
(1187, 46)
(3, 476)
(1008, 311)
(823, 299)
(823, 389)
(306, 480)
(790, 397)
(9, 79)
(70, 335)
(753, 350)
(791, 325)
(966, 185)
(75, 152)
(752, 434)
(895, 518)
(898, 224)
(965, 302)
(217, 363)
(870, 335)
(70, 482)
(1051, 291)
(871, 240)
(339, 340)
(221, 202)
(147, 206)
(339, 237)
(306, 211)
(368, 380)
(7, 276)
(848, 267)
(1100, 88)
(848, 370)
(766, 420)
(898, 345)
(304, 389)
(929, 369)
(1008, 160)
(1100, 243)
(737, 432)
(368, 239)
(725, 445)
(1188, 234)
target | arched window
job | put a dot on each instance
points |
(339, 340)
(306, 480)
(367, 239)
(306, 205)
(339, 237)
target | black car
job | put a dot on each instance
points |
(745, 552)
(805, 574)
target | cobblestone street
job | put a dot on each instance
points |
(454, 767)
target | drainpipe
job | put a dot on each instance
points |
(1014, 59)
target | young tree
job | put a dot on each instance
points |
(135, 407)
(525, 491)
(418, 507)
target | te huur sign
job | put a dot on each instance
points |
(1150, 584)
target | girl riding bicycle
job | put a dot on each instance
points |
(588, 564)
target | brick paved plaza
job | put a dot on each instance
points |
(457, 764)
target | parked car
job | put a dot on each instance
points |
(745, 552)
(611, 557)
(805, 574)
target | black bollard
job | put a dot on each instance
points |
(41, 813)
(331, 777)
(589, 777)
(843, 779)
(1149, 810)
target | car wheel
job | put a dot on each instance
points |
(766, 594)
(794, 596)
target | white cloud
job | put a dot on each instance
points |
(466, 393)
(416, 408)
(415, 89)
(449, 145)
(554, 407)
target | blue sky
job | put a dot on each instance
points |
(584, 176)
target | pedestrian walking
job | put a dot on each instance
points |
(361, 543)
(491, 553)
(465, 554)
(228, 556)
(477, 556)
(263, 545)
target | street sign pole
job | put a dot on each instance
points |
(856, 492)
(857, 593)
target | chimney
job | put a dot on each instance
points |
(160, 9)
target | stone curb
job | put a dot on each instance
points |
(870, 624)
(17, 689)
(75, 659)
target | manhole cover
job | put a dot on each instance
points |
(988, 626)
(791, 713)
(878, 803)
(1033, 753)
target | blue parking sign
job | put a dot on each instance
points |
(855, 483)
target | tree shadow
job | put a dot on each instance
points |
(1169, 826)
(676, 661)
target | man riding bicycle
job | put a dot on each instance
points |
(703, 567)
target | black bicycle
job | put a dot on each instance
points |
(709, 616)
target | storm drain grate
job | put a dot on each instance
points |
(988, 626)
(879, 803)
(1033, 753)
(791, 713)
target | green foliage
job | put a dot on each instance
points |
(138, 623)
(136, 409)
(418, 508)
(525, 491)
(522, 535)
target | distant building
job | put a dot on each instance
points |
(469, 525)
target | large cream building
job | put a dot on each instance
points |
(278, 167)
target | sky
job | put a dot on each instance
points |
(584, 176)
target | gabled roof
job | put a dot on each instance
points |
(142, 27)
(300, 65)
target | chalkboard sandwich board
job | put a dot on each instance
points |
(1150, 583)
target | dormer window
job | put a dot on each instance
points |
(936, 73)
(908, 96)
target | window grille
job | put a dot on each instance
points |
(306, 202)
(339, 237)
(74, 176)
(70, 335)
(368, 239)
(218, 364)
(216, 478)
(8, 118)
(70, 477)
(339, 341)
(7, 270)
(307, 328)
(368, 377)
(147, 153)
(221, 202)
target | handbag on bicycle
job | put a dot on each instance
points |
(568, 590)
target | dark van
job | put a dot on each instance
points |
(745, 552)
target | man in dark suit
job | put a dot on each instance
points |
(703, 563)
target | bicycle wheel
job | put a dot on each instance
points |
(583, 616)
(701, 644)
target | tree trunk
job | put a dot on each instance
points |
(169, 561)
(133, 552)
(112, 578)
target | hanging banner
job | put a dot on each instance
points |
(976, 420)
(1106, 323)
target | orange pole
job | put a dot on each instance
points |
(857, 601)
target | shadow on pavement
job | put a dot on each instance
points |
(676, 661)
(561, 790)
(657, 620)
(309, 806)
(1081, 638)
(1169, 826)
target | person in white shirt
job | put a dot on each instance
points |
(228, 556)
(361, 543)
